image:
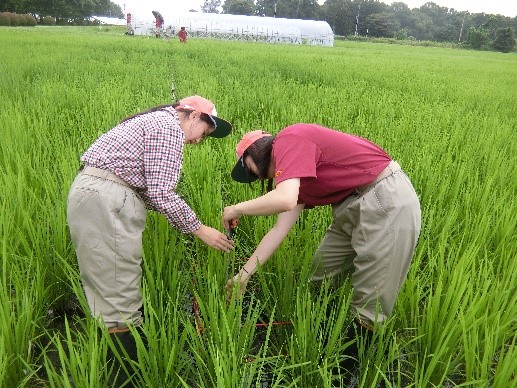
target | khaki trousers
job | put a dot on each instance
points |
(106, 221)
(372, 238)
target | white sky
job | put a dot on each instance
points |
(503, 7)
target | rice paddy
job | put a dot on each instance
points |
(447, 116)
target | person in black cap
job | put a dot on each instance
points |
(376, 211)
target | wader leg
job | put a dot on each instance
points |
(121, 361)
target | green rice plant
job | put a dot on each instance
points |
(278, 281)
(22, 311)
(163, 359)
(166, 263)
(382, 358)
(505, 374)
(318, 334)
(73, 348)
(440, 329)
(221, 341)
(448, 116)
(80, 354)
(5, 360)
(477, 352)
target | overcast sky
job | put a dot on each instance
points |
(503, 7)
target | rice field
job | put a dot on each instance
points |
(447, 116)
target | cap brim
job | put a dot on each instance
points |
(240, 174)
(222, 128)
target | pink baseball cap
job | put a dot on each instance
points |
(201, 104)
(240, 172)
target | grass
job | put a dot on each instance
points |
(448, 116)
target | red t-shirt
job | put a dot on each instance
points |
(330, 164)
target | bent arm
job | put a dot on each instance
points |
(283, 198)
(271, 241)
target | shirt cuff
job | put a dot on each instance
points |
(191, 228)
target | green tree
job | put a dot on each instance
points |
(305, 9)
(107, 8)
(402, 34)
(10, 6)
(504, 40)
(443, 23)
(239, 7)
(382, 25)
(477, 38)
(402, 13)
(422, 28)
(211, 6)
(291, 9)
(340, 14)
(265, 7)
(365, 8)
(65, 9)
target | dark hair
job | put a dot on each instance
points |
(204, 117)
(260, 152)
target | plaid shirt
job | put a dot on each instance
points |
(147, 152)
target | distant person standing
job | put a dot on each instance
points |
(182, 34)
(158, 23)
(169, 31)
(130, 30)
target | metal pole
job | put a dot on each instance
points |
(357, 20)
(462, 23)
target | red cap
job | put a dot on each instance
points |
(239, 172)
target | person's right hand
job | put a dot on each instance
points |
(213, 238)
(230, 217)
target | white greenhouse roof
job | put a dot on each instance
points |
(110, 21)
(237, 27)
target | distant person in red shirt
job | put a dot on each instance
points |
(182, 34)
(158, 23)
(130, 30)
(376, 211)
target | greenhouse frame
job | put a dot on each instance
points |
(236, 27)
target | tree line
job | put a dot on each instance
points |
(371, 18)
(64, 11)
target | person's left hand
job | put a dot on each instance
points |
(230, 217)
(241, 279)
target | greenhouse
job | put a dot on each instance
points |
(236, 27)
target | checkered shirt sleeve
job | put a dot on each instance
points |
(147, 152)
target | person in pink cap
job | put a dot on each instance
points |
(376, 211)
(135, 165)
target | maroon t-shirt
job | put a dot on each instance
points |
(330, 164)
